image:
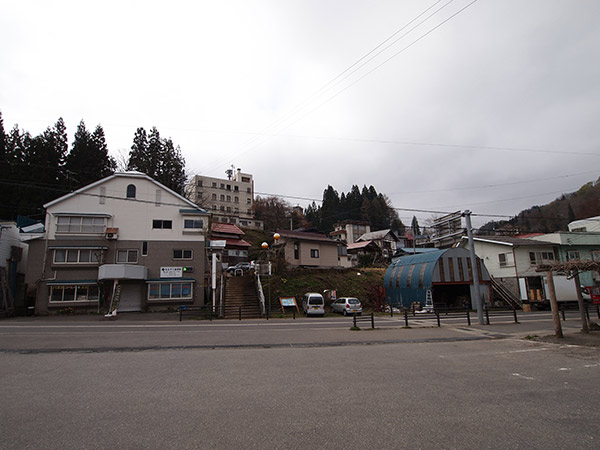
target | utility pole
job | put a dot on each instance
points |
(478, 299)
(554, 304)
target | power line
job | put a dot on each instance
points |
(337, 79)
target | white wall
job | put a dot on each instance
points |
(133, 217)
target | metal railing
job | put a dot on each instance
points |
(439, 313)
(367, 318)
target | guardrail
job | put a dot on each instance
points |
(588, 307)
(206, 312)
(438, 313)
(368, 318)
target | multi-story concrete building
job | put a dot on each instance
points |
(124, 242)
(229, 200)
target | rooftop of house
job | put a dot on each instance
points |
(306, 236)
(226, 228)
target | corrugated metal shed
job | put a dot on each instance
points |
(408, 278)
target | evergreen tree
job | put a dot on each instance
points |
(313, 215)
(330, 209)
(158, 158)
(414, 226)
(88, 160)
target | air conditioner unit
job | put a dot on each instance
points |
(112, 236)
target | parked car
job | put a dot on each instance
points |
(313, 304)
(243, 266)
(347, 305)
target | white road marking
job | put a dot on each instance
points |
(518, 375)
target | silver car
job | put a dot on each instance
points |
(347, 305)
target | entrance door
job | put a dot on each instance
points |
(131, 298)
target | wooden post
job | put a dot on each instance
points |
(584, 321)
(554, 305)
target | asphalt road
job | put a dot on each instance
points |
(315, 385)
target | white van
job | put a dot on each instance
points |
(313, 304)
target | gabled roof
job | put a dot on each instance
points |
(226, 228)
(510, 241)
(360, 245)
(376, 235)
(306, 236)
(132, 175)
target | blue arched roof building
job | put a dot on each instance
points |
(447, 274)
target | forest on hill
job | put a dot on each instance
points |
(555, 216)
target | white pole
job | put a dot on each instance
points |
(478, 298)
(214, 280)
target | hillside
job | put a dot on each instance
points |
(365, 284)
(555, 216)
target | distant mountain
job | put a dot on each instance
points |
(555, 216)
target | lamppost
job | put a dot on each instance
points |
(265, 246)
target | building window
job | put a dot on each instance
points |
(80, 224)
(214, 196)
(236, 188)
(314, 252)
(214, 184)
(127, 256)
(199, 183)
(502, 259)
(573, 254)
(229, 209)
(236, 199)
(245, 180)
(170, 291)
(145, 248)
(595, 255)
(77, 256)
(131, 191)
(74, 293)
(296, 251)
(182, 254)
(228, 187)
(193, 224)
(222, 185)
(248, 201)
(535, 257)
(158, 224)
(222, 198)
(249, 191)
(214, 207)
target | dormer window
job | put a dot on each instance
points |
(131, 191)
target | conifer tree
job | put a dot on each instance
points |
(158, 158)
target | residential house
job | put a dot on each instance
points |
(13, 264)
(236, 248)
(386, 242)
(513, 261)
(576, 246)
(230, 200)
(307, 249)
(591, 224)
(125, 241)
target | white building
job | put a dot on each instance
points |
(229, 200)
(124, 239)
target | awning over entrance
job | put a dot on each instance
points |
(122, 272)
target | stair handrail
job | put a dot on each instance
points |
(506, 294)
(261, 295)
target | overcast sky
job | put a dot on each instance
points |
(492, 105)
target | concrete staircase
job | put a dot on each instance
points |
(241, 292)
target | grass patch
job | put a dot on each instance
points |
(354, 329)
(532, 337)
